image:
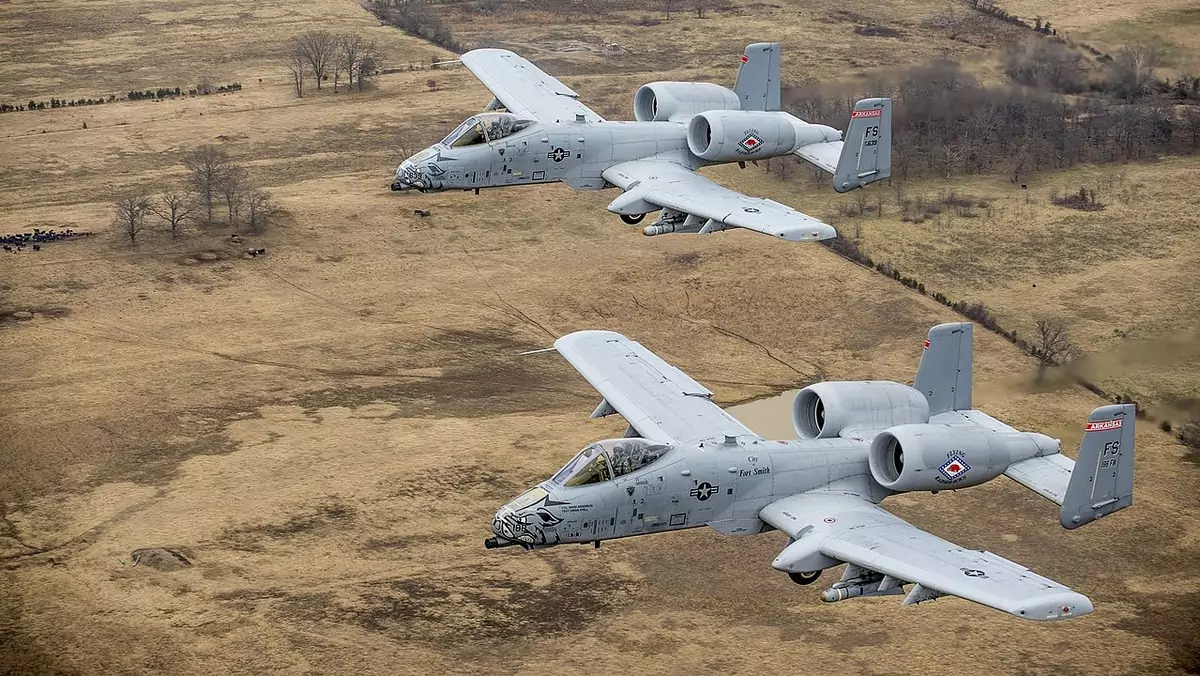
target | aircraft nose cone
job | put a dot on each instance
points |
(398, 183)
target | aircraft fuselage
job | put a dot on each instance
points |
(576, 153)
(722, 485)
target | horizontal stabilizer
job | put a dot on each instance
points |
(1047, 475)
(822, 155)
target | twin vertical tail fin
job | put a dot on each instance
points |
(1102, 480)
(1097, 483)
(866, 154)
(757, 83)
(944, 374)
(863, 156)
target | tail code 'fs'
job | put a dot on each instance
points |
(867, 146)
(1102, 480)
(757, 83)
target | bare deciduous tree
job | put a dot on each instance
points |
(232, 182)
(1133, 68)
(349, 55)
(319, 49)
(131, 216)
(357, 57)
(1051, 345)
(297, 66)
(259, 209)
(173, 207)
(206, 166)
(404, 143)
(369, 62)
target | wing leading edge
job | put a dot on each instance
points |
(673, 186)
(661, 402)
(889, 553)
(525, 89)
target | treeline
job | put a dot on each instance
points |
(945, 123)
(1056, 65)
(417, 18)
(214, 183)
(990, 8)
(1048, 342)
(201, 89)
(321, 54)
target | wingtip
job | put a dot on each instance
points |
(1062, 606)
(809, 233)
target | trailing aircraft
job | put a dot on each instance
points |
(535, 131)
(684, 463)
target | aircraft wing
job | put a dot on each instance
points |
(710, 207)
(525, 89)
(887, 553)
(661, 402)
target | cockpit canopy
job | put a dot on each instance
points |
(609, 459)
(485, 128)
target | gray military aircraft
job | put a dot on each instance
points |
(546, 135)
(685, 463)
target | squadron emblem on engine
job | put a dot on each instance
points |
(750, 143)
(954, 468)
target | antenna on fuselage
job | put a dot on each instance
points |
(544, 349)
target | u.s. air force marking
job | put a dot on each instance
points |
(704, 491)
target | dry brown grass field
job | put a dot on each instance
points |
(303, 452)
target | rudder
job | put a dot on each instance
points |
(757, 83)
(944, 373)
(867, 146)
(1102, 481)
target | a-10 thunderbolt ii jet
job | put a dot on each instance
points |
(546, 135)
(685, 463)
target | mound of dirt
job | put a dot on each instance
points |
(160, 559)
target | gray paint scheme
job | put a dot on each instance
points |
(546, 135)
(944, 373)
(686, 463)
(757, 82)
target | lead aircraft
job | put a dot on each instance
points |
(535, 130)
(685, 463)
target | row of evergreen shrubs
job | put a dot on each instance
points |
(143, 95)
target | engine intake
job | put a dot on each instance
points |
(827, 409)
(936, 457)
(662, 101)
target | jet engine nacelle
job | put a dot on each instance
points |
(661, 101)
(827, 409)
(738, 135)
(936, 457)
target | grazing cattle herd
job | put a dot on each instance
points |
(34, 240)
